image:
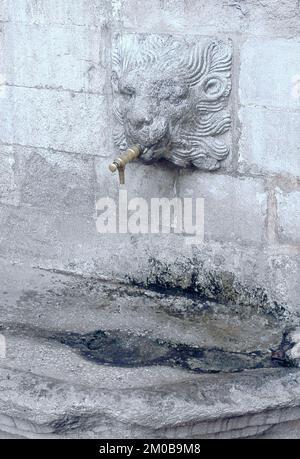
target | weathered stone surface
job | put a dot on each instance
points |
(39, 393)
(6, 436)
(270, 73)
(289, 217)
(222, 271)
(56, 182)
(246, 281)
(288, 430)
(283, 271)
(53, 50)
(271, 17)
(64, 121)
(164, 322)
(43, 237)
(8, 184)
(234, 208)
(82, 12)
(186, 409)
(138, 180)
(269, 142)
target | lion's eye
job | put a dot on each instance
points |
(128, 92)
(177, 99)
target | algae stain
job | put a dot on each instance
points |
(191, 279)
(124, 349)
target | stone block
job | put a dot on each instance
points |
(57, 182)
(200, 16)
(234, 208)
(8, 182)
(270, 73)
(54, 56)
(92, 13)
(270, 141)
(72, 122)
(289, 217)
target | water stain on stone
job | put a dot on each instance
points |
(189, 278)
(124, 349)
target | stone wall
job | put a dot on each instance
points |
(56, 143)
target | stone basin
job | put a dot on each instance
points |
(95, 359)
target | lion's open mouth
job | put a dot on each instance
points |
(157, 150)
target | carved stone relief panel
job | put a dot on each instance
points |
(171, 95)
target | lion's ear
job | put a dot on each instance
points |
(214, 59)
(115, 81)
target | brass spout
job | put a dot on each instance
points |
(120, 163)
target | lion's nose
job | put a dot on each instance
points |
(139, 120)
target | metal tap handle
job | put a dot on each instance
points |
(120, 163)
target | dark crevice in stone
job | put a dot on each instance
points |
(72, 422)
(282, 355)
(124, 349)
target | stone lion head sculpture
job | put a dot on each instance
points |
(171, 96)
